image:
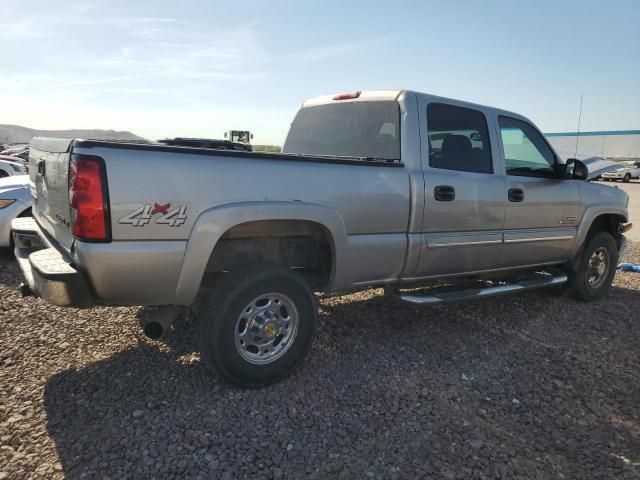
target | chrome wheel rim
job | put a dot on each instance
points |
(266, 328)
(598, 267)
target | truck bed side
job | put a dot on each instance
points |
(158, 194)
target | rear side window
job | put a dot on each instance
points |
(458, 139)
(349, 129)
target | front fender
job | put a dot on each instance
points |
(590, 215)
(211, 225)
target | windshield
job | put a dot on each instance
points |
(352, 129)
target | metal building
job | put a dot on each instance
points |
(619, 144)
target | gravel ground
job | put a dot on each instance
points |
(526, 386)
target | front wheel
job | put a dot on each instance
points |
(258, 325)
(3, 174)
(596, 269)
(627, 178)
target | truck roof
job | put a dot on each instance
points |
(368, 95)
(390, 95)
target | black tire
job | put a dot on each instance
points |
(578, 285)
(3, 174)
(627, 178)
(221, 313)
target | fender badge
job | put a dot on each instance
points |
(141, 216)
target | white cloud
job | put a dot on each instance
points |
(153, 75)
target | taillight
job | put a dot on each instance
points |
(88, 199)
(347, 96)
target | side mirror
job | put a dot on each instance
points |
(252, 136)
(225, 134)
(576, 169)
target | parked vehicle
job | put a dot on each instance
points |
(239, 136)
(10, 166)
(625, 172)
(20, 151)
(394, 188)
(15, 202)
(206, 143)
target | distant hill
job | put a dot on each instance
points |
(18, 134)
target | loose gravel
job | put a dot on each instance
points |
(525, 386)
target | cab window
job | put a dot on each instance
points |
(351, 129)
(458, 139)
(525, 150)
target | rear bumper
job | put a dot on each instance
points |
(47, 270)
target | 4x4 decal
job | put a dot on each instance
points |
(141, 216)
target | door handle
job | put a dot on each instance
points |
(444, 193)
(516, 195)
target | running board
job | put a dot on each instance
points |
(554, 277)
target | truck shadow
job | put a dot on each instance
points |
(154, 410)
(9, 270)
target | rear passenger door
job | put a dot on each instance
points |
(464, 197)
(543, 211)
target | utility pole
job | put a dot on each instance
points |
(578, 131)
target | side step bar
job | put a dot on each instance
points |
(555, 277)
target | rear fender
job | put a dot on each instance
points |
(213, 223)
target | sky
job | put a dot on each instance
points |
(198, 68)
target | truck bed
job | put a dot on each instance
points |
(159, 196)
(158, 147)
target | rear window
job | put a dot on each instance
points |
(350, 129)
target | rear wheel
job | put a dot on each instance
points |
(595, 271)
(258, 325)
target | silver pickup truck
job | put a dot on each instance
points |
(434, 199)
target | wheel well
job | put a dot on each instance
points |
(608, 222)
(300, 245)
(26, 213)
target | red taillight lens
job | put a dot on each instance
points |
(88, 198)
(347, 96)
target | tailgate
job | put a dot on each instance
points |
(49, 184)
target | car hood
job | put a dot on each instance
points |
(598, 165)
(17, 182)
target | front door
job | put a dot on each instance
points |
(543, 211)
(464, 196)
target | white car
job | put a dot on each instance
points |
(10, 166)
(15, 201)
(625, 173)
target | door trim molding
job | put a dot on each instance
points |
(540, 234)
(464, 239)
(538, 239)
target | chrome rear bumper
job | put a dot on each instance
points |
(46, 269)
